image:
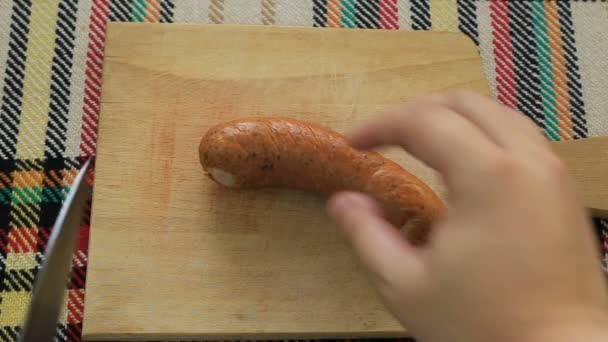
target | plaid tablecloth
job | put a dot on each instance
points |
(544, 58)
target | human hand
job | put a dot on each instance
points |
(514, 259)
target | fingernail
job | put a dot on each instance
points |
(337, 203)
(342, 202)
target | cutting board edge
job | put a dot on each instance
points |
(96, 336)
(114, 25)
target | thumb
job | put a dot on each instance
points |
(381, 247)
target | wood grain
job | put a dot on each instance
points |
(172, 256)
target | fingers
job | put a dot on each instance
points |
(433, 133)
(503, 125)
(380, 247)
(456, 133)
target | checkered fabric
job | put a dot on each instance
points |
(544, 58)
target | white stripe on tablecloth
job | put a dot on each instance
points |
(191, 11)
(403, 8)
(590, 26)
(294, 13)
(243, 12)
(74, 119)
(486, 47)
(5, 26)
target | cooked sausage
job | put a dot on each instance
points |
(285, 152)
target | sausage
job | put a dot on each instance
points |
(285, 152)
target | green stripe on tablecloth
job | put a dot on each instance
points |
(138, 13)
(26, 195)
(54, 194)
(36, 194)
(348, 13)
(546, 72)
(5, 196)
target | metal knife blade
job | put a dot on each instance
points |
(50, 285)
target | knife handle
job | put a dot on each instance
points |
(587, 160)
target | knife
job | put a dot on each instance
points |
(50, 285)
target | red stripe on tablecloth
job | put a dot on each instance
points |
(92, 92)
(4, 240)
(503, 53)
(77, 277)
(74, 335)
(42, 238)
(389, 15)
(83, 237)
(97, 37)
(22, 240)
(75, 306)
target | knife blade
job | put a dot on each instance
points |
(50, 285)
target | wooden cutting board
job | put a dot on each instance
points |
(174, 256)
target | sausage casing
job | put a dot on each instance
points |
(285, 152)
